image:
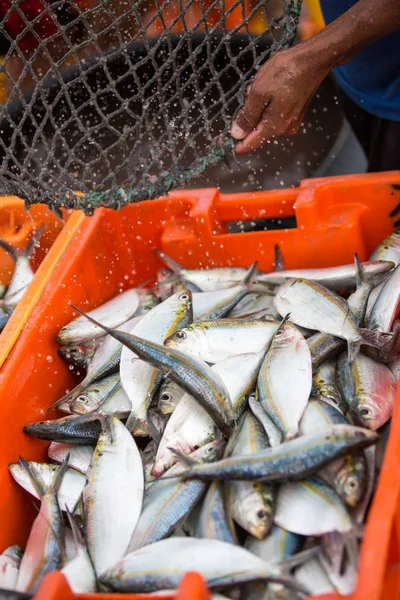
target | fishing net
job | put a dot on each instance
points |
(124, 101)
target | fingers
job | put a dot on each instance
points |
(249, 116)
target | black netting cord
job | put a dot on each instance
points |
(135, 187)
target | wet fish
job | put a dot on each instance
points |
(212, 520)
(324, 385)
(274, 434)
(252, 304)
(333, 278)
(387, 304)
(284, 381)
(369, 389)
(43, 553)
(162, 565)
(169, 397)
(79, 355)
(214, 341)
(389, 249)
(313, 306)
(115, 483)
(93, 395)
(206, 280)
(310, 507)
(294, 459)
(115, 402)
(323, 348)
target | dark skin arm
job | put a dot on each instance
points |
(283, 87)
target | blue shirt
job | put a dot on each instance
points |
(372, 77)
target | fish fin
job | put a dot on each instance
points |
(57, 481)
(34, 477)
(76, 534)
(170, 262)
(282, 323)
(353, 349)
(360, 271)
(153, 431)
(299, 558)
(251, 273)
(279, 261)
(187, 460)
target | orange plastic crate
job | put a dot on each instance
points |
(113, 250)
(16, 227)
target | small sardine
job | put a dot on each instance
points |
(284, 381)
(295, 459)
(69, 430)
(324, 385)
(113, 313)
(310, 507)
(369, 389)
(79, 355)
(213, 522)
(163, 564)
(115, 483)
(314, 307)
(169, 397)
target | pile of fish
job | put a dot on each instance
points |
(21, 277)
(230, 421)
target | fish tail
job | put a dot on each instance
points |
(248, 278)
(187, 460)
(353, 349)
(170, 262)
(360, 271)
(76, 534)
(56, 483)
(34, 477)
(279, 261)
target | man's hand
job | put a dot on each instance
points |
(283, 87)
(277, 99)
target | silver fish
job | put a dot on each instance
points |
(93, 395)
(113, 313)
(79, 570)
(324, 385)
(284, 381)
(310, 507)
(163, 564)
(313, 574)
(369, 389)
(333, 278)
(115, 482)
(313, 306)
(212, 520)
(389, 249)
(294, 459)
(169, 397)
(214, 341)
(274, 434)
(387, 304)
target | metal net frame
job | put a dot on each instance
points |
(123, 101)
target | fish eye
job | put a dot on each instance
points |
(365, 412)
(279, 333)
(83, 399)
(165, 396)
(261, 514)
(184, 297)
(180, 335)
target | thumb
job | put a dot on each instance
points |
(250, 115)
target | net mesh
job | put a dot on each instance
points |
(123, 101)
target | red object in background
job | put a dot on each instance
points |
(15, 24)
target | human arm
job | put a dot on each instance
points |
(283, 87)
